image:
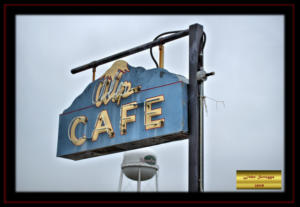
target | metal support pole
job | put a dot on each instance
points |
(161, 56)
(195, 34)
(121, 180)
(94, 72)
(201, 149)
(139, 181)
(156, 178)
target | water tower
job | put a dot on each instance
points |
(139, 165)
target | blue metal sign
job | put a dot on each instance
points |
(127, 108)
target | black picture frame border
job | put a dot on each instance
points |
(9, 193)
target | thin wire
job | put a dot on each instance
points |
(204, 103)
(162, 34)
(204, 41)
(215, 101)
(172, 32)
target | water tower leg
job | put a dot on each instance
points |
(121, 179)
(139, 181)
(156, 177)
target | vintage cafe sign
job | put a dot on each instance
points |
(127, 108)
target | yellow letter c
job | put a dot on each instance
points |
(77, 141)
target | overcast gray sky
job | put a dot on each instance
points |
(246, 52)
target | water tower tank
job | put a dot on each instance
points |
(143, 160)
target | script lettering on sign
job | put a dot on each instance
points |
(111, 88)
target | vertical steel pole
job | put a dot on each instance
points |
(139, 181)
(156, 178)
(121, 180)
(94, 72)
(161, 56)
(201, 149)
(195, 34)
